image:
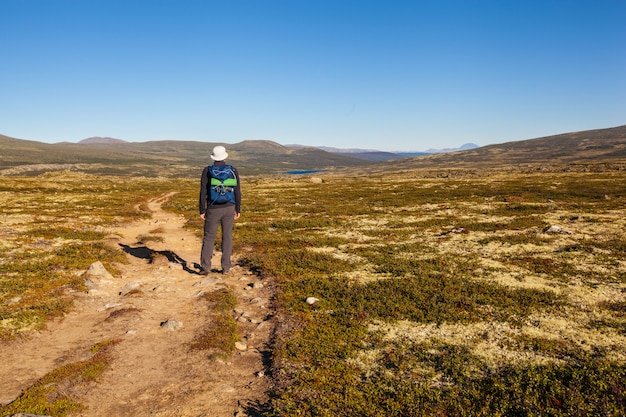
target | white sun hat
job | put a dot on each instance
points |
(219, 153)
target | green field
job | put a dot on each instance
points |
(488, 295)
(501, 294)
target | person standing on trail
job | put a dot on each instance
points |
(220, 205)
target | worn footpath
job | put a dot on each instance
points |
(154, 307)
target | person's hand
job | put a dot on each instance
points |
(202, 216)
(237, 215)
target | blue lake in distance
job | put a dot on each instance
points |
(304, 171)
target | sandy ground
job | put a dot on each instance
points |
(154, 372)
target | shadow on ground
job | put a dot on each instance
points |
(144, 252)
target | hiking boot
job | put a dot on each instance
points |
(203, 272)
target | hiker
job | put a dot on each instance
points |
(220, 204)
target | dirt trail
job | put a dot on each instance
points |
(153, 371)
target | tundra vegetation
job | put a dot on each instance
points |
(488, 294)
(52, 228)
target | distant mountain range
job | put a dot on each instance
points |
(99, 155)
(101, 140)
(380, 156)
(464, 147)
(110, 156)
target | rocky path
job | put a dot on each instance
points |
(154, 307)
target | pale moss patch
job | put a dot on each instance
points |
(352, 235)
(366, 360)
(497, 356)
(485, 339)
(373, 223)
(512, 279)
(365, 276)
(575, 329)
(491, 341)
(363, 272)
(337, 253)
(583, 295)
(5, 245)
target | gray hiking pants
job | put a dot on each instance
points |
(215, 217)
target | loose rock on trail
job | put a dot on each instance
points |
(154, 308)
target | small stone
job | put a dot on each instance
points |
(312, 300)
(257, 285)
(108, 306)
(555, 230)
(97, 270)
(241, 346)
(171, 324)
(130, 288)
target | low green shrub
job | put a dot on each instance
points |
(220, 334)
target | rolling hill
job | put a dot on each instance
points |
(160, 158)
(585, 147)
(175, 158)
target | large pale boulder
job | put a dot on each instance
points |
(97, 277)
(97, 270)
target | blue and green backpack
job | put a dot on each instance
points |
(222, 184)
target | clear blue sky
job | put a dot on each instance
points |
(388, 75)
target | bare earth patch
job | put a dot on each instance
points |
(154, 371)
